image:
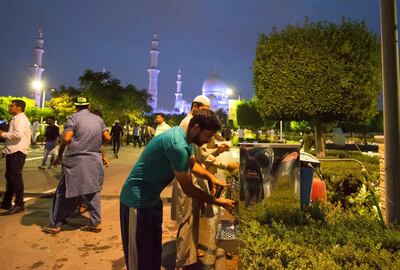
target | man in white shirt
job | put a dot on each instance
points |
(161, 125)
(18, 139)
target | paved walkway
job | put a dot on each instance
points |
(24, 246)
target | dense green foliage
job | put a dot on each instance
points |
(375, 124)
(321, 237)
(113, 100)
(318, 71)
(32, 112)
(106, 94)
(62, 105)
(249, 117)
(345, 179)
(343, 234)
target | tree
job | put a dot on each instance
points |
(222, 116)
(62, 105)
(31, 111)
(248, 116)
(113, 100)
(318, 71)
(298, 126)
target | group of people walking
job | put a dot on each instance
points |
(175, 154)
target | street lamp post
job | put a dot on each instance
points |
(43, 100)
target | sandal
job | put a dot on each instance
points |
(91, 228)
(51, 230)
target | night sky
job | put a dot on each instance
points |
(198, 36)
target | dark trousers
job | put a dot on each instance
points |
(15, 184)
(128, 139)
(142, 236)
(136, 140)
(116, 142)
(63, 206)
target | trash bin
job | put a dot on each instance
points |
(306, 176)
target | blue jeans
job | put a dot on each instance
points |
(48, 150)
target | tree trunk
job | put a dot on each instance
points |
(319, 139)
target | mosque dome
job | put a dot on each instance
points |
(214, 85)
(216, 90)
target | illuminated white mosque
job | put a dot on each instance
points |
(213, 87)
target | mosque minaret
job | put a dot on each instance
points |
(213, 87)
(37, 68)
(153, 72)
(178, 95)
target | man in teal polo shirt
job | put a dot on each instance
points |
(167, 156)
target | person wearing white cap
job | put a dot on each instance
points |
(184, 209)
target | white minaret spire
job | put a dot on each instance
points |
(37, 68)
(178, 95)
(153, 72)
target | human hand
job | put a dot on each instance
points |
(231, 166)
(57, 161)
(223, 147)
(213, 189)
(219, 182)
(228, 204)
(105, 161)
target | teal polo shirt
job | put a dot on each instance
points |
(154, 170)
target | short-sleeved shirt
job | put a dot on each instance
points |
(165, 154)
(88, 131)
(52, 133)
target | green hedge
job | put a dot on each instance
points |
(325, 237)
(342, 234)
(345, 179)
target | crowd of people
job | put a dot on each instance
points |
(185, 155)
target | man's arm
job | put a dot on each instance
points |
(106, 136)
(199, 171)
(18, 127)
(190, 190)
(104, 156)
(65, 140)
(209, 159)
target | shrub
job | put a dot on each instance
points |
(345, 180)
(332, 239)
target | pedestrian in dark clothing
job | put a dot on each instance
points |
(18, 138)
(52, 134)
(116, 135)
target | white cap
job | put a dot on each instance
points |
(116, 121)
(202, 99)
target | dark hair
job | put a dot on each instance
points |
(197, 103)
(160, 114)
(81, 107)
(206, 119)
(51, 117)
(20, 103)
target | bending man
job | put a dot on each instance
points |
(167, 156)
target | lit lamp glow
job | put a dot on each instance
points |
(230, 92)
(37, 85)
